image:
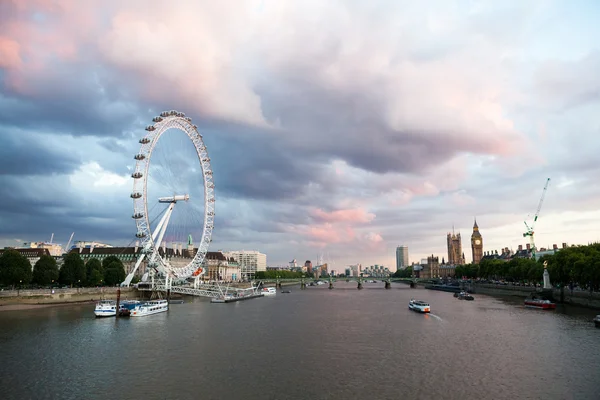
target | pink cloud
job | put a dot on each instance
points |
(357, 215)
(10, 56)
(328, 233)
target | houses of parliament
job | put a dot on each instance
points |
(456, 256)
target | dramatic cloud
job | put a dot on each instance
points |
(338, 127)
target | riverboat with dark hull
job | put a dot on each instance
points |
(539, 303)
(464, 296)
(597, 321)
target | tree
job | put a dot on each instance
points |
(109, 260)
(15, 269)
(403, 272)
(73, 270)
(95, 278)
(45, 270)
(94, 272)
(114, 274)
(282, 274)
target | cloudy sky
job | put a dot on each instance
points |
(342, 128)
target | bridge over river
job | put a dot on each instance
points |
(220, 289)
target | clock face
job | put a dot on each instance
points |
(478, 242)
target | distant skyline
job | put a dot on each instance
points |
(342, 128)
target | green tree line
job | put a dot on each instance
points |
(573, 265)
(15, 270)
(282, 274)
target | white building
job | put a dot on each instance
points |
(54, 249)
(83, 244)
(401, 257)
(250, 262)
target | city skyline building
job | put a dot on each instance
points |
(476, 244)
(401, 257)
(455, 253)
(250, 262)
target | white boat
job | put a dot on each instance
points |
(106, 308)
(149, 308)
(419, 306)
(597, 321)
(269, 291)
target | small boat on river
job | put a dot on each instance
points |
(541, 304)
(419, 306)
(269, 291)
(464, 296)
(597, 321)
(106, 308)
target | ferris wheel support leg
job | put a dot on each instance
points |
(164, 218)
(163, 228)
(160, 231)
(127, 280)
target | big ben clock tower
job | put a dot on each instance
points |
(476, 244)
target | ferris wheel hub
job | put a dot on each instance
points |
(174, 199)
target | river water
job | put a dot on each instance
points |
(311, 344)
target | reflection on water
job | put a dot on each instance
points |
(312, 344)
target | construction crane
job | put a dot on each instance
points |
(530, 231)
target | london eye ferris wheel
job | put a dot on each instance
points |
(173, 196)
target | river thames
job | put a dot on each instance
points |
(311, 344)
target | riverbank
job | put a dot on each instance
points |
(576, 298)
(31, 299)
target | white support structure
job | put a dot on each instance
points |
(159, 231)
(162, 229)
(202, 290)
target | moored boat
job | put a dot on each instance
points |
(106, 308)
(542, 304)
(149, 308)
(597, 321)
(269, 291)
(419, 306)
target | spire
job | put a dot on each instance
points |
(475, 227)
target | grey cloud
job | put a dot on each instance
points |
(23, 154)
(259, 167)
(70, 99)
(326, 125)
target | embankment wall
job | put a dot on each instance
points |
(580, 298)
(57, 296)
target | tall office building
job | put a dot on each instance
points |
(401, 257)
